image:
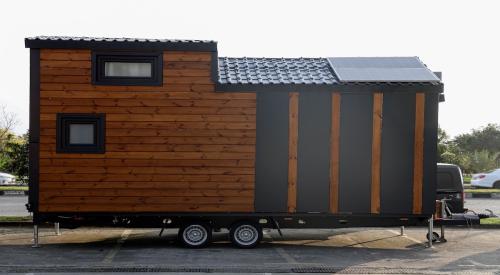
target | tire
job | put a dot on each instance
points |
(245, 234)
(496, 185)
(195, 234)
(435, 237)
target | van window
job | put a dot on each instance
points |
(445, 181)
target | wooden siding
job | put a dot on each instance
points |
(177, 147)
(334, 153)
(418, 153)
(293, 132)
(376, 150)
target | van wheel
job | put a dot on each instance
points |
(245, 234)
(195, 234)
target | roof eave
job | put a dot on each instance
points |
(121, 45)
(335, 87)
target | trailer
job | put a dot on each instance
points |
(166, 134)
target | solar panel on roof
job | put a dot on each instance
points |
(381, 69)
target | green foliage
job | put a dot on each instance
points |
(474, 152)
(495, 221)
(486, 138)
(481, 161)
(16, 218)
(14, 188)
(14, 157)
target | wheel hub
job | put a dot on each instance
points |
(246, 234)
(195, 234)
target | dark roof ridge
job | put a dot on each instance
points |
(112, 39)
(87, 42)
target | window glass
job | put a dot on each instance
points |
(445, 181)
(127, 69)
(81, 133)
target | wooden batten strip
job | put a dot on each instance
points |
(293, 132)
(334, 153)
(418, 155)
(376, 149)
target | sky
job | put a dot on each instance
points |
(459, 38)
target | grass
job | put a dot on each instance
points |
(495, 221)
(481, 191)
(467, 179)
(13, 188)
(15, 218)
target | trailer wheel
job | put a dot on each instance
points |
(195, 234)
(435, 236)
(245, 234)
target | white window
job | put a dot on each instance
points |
(127, 69)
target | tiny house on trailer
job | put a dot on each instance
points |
(165, 133)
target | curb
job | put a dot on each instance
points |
(16, 224)
(482, 195)
(13, 193)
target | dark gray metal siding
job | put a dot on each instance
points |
(313, 160)
(34, 133)
(430, 151)
(271, 168)
(398, 135)
(355, 152)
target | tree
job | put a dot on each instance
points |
(486, 138)
(442, 147)
(481, 161)
(15, 158)
(8, 121)
(474, 152)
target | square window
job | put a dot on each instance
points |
(81, 133)
(127, 68)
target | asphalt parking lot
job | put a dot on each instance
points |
(362, 250)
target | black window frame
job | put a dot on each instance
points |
(99, 58)
(62, 133)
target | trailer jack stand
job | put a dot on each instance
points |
(56, 229)
(442, 238)
(430, 231)
(35, 237)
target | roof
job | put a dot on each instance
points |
(267, 73)
(71, 42)
(275, 71)
(381, 69)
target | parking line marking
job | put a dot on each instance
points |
(112, 253)
(289, 259)
(405, 236)
(483, 265)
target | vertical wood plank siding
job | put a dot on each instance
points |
(293, 131)
(180, 147)
(334, 153)
(418, 161)
(376, 144)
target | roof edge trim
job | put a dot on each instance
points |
(118, 44)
